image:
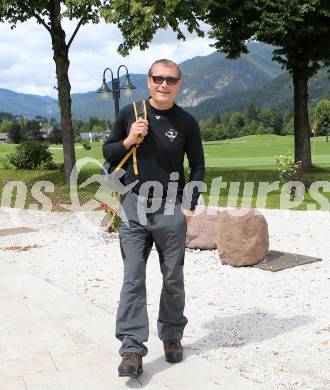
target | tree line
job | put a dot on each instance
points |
(268, 120)
(237, 124)
(20, 129)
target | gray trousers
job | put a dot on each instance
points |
(168, 232)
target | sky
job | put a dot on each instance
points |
(27, 66)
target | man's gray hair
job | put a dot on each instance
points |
(166, 62)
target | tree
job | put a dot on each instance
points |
(251, 127)
(251, 112)
(236, 123)
(301, 31)
(139, 20)
(32, 129)
(5, 125)
(55, 136)
(288, 123)
(208, 134)
(5, 115)
(15, 132)
(322, 117)
(271, 118)
(96, 125)
(49, 14)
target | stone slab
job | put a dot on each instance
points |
(16, 230)
(51, 339)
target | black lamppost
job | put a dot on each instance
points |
(105, 90)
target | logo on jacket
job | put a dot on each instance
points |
(171, 134)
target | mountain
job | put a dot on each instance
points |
(25, 104)
(211, 84)
(216, 76)
(204, 77)
(84, 105)
(278, 93)
(91, 104)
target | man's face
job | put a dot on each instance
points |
(163, 94)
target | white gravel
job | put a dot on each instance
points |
(273, 328)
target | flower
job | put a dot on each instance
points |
(104, 206)
(111, 219)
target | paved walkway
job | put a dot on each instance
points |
(51, 340)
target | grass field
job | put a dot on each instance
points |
(259, 151)
(245, 159)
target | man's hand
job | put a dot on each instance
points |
(138, 128)
(188, 214)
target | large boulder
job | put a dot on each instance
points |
(202, 229)
(242, 237)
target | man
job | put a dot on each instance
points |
(169, 133)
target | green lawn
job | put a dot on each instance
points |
(245, 159)
(258, 151)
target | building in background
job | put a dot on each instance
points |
(3, 138)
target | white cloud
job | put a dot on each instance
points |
(26, 58)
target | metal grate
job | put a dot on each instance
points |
(277, 261)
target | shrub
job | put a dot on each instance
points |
(61, 166)
(55, 136)
(51, 165)
(7, 166)
(30, 155)
(289, 170)
(87, 145)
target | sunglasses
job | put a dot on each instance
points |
(169, 80)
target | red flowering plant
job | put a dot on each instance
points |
(111, 220)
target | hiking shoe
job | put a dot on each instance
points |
(131, 365)
(173, 351)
